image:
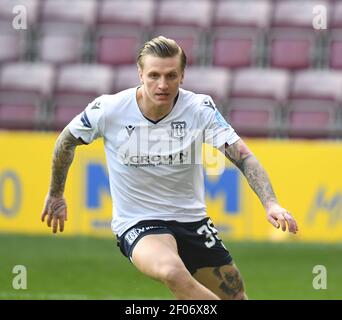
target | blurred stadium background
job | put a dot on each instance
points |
(275, 79)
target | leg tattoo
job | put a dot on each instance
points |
(231, 281)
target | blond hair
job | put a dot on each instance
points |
(161, 47)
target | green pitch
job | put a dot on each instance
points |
(60, 267)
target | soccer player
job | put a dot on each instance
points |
(153, 136)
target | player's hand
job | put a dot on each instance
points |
(55, 209)
(280, 217)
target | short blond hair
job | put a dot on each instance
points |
(161, 47)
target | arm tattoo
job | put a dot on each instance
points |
(62, 159)
(258, 180)
(255, 174)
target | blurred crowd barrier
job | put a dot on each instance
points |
(306, 176)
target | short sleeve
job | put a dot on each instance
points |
(217, 131)
(89, 125)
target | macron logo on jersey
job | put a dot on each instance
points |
(96, 106)
(130, 129)
(208, 103)
(85, 120)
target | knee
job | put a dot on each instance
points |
(174, 275)
(241, 295)
(237, 293)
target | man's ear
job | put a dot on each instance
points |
(182, 78)
(140, 74)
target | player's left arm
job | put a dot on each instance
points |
(240, 155)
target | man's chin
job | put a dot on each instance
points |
(162, 102)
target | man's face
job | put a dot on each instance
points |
(161, 78)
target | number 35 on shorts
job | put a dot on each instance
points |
(210, 232)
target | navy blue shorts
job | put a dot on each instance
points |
(198, 243)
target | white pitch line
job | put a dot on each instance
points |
(57, 296)
(42, 296)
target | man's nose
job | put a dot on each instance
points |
(163, 84)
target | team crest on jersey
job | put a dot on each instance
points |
(178, 129)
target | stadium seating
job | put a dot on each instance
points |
(29, 7)
(214, 81)
(292, 49)
(314, 102)
(118, 47)
(257, 96)
(292, 42)
(25, 89)
(334, 50)
(336, 16)
(190, 39)
(126, 77)
(76, 86)
(190, 13)
(296, 14)
(69, 14)
(249, 52)
(13, 46)
(235, 48)
(60, 47)
(119, 13)
(248, 13)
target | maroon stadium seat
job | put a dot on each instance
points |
(293, 43)
(64, 114)
(235, 48)
(32, 9)
(247, 13)
(313, 105)
(126, 77)
(297, 14)
(13, 46)
(61, 47)
(335, 50)
(336, 15)
(214, 81)
(292, 48)
(19, 117)
(138, 13)
(25, 89)
(256, 98)
(76, 86)
(117, 47)
(190, 13)
(75, 13)
(188, 38)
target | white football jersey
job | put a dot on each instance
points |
(155, 168)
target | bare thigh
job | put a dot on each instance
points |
(155, 254)
(225, 281)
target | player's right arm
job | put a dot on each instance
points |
(55, 207)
